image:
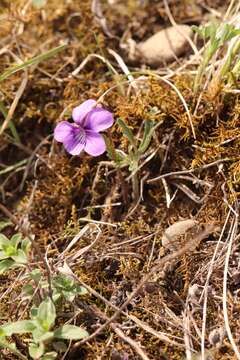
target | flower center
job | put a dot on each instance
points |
(81, 135)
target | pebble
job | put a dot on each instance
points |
(173, 232)
(165, 45)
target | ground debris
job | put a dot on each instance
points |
(87, 202)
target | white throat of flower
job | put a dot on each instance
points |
(81, 135)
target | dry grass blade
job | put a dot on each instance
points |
(156, 268)
(183, 172)
(173, 22)
(186, 326)
(205, 291)
(137, 321)
(182, 99)
(116, 328)
(225, 276)
(157, 334)
(131, 342)
(106, 233)
(19, 93)
(35, 60)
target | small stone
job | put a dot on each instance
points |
(171, 236)
(165, 45)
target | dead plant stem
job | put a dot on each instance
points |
(186, 248)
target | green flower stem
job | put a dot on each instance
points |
(236, 70)
(225, 69)
(207, 56)
(226, 66)
(135, 185)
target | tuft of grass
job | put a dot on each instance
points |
(217, 35)
(33, 61)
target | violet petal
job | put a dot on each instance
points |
(73, 146)
(95, 144)
(63, 131)
(81, 111)
(98, 119)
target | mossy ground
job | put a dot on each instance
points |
(54, 191)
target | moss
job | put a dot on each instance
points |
(64, 191)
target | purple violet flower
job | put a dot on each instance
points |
(84, 133)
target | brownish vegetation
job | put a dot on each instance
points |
(55, 195)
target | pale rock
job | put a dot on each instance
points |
(170, 238)
(165, 45)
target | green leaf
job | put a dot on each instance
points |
(9, 250)
(63, 282)
(20, 257)
(25, 245)
(56, 296)
(127, 132)
(218, 34)
(70, 332)
(50, 356)
(46, 314)
(206, 31)
(15, 240)
(3, 241)
(18, 327)
(35, 60)
(5, 344)
(2, 332)
(65, 286)
(36, 350)
(28, 290)
(69, 295)
(81, 290)
(226, 33)
(34, 312)
(133, 159)
(4, 224)
(6, 265)
(40, 335)
(36, 275)
(116, 155)
(147, 136)
(120, 156)
(109, 147)
(3, 255)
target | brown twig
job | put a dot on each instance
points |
(186, 248)
(124, 337)
(182, 172)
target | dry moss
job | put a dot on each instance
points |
(64, 189)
